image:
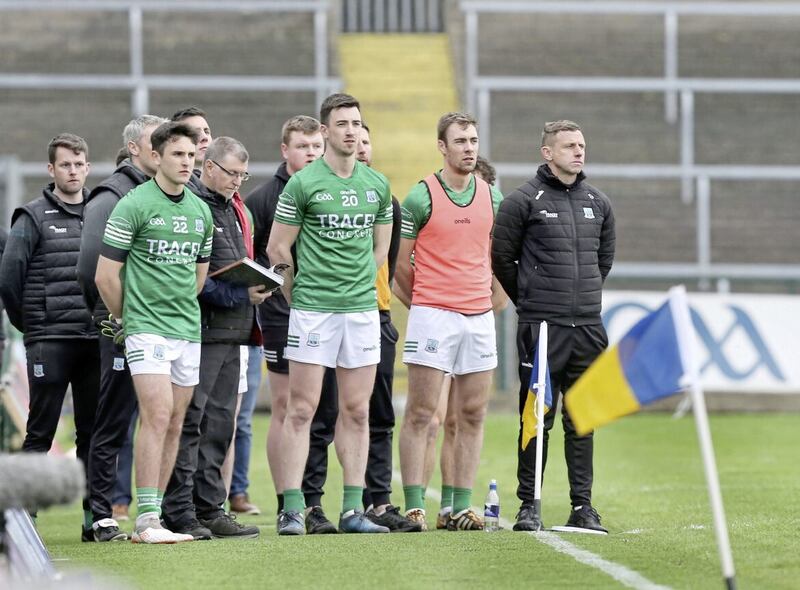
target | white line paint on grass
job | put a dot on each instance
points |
(620, 573)
(623, 575)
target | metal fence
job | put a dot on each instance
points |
(679, 100)
(141, 84)
(392, 16)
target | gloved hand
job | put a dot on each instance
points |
(112, 328)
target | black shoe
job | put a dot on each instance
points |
(585, 517)
(527, 520)
(290, 522)
(226, 527)
(87, 535)
(107, 530)
(193, 528)
(317, 523)
(394, 521)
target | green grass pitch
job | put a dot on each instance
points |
(649, 488)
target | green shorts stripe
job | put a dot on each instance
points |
(135, 355)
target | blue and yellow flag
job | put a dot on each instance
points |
(644, 366)
(529, 410)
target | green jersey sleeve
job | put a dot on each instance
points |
(385, 214)
(122, 225)
(291, 203)
(497, 198)
(415, 211)
(208, 238)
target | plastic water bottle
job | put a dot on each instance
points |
(491, 509)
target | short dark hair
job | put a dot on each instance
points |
(365, 127)
(552, 128)
(300, 123)
(69, 141)
(463, 120)
(192, 111)
(485, 170)
(336, 101)
(166, 132)
(121, 155)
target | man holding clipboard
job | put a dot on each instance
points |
(193, 502)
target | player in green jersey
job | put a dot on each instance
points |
(339, 212)
(154, 261)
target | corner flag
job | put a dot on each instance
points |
(644, 366)
(655, 359)
(529, 415)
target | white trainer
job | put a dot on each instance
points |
(149, 531)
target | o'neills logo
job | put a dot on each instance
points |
(464, 220)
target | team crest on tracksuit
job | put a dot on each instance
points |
(119, 363)
(38, 370)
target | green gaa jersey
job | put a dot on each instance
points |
(163, 241)
(336, 266)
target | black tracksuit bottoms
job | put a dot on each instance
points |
(52, 366)
(381, 427)
(570, 351)
(196, 488)
(116, 404)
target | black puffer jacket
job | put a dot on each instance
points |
(227, 314)
(101, 202)
(553, 247)
(39, 285)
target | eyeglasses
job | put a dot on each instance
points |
(243, 176)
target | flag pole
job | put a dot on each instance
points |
(686, 344)
(541, 393)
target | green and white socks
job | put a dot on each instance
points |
(148, 504)
(446, 504)
(462, 499)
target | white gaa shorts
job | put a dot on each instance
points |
(150, 354)
(450, 341)
(349, 340)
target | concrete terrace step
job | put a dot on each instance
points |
(405, 83)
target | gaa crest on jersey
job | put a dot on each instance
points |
(38, 370)
(119, 363)
(199, 226)
(159, 353)
(313, 339)
(432, 346)
(372, 197)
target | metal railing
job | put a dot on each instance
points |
(140, 84)
(392, 16)
(678, 92)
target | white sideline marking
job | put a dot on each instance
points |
(623, 575)
(620, 573)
